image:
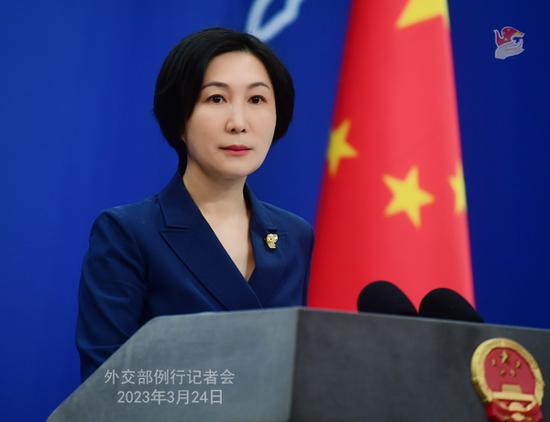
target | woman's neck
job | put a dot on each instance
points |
(216, 198)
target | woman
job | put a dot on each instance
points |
(204, 243)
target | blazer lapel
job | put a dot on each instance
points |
(195, 243)
(267, 276)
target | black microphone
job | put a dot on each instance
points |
(383, 297)
(447, 304)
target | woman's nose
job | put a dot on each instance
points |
(236, 121)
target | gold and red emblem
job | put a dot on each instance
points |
(509, 381)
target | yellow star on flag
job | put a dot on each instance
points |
(408, 197)
(339, 147)
(457, 184)
(416, 11)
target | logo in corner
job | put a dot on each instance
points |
(509, 381)
(509, 42)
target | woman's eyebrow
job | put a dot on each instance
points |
(255, 84)
(226, 86)
(217, 84)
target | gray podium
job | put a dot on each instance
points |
(293, 364)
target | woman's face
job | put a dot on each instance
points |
(232, 124)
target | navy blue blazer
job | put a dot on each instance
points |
(161, 257)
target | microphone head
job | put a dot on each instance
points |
(384, 297)
(447, 304)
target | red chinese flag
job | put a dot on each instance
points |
(393, 203)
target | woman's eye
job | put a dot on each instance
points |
(216, 99)
(257, 99)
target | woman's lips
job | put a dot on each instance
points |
(236, 150)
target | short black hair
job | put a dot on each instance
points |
(181, 76)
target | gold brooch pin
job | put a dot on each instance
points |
(271, 240)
